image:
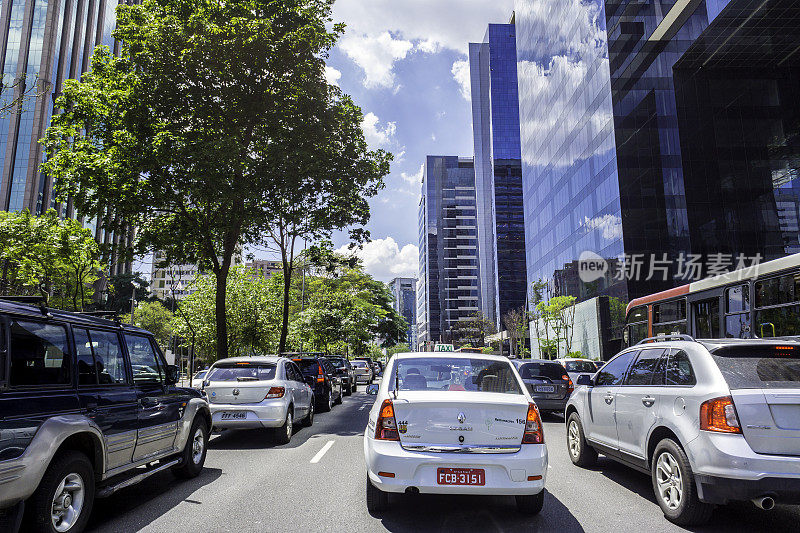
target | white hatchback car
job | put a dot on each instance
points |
(454, 424)
(258, 392)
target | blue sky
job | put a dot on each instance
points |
(404, 63)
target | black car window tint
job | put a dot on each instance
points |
(614, 371)
(87, 371)
(39, 354)
(108, 357)
(679, 369)
(550, 371)
(3, 352)
(144, 362)
(645, 367)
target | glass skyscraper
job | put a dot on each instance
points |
(404, 291)
(447, 291)
(498, 172)
(569, 164)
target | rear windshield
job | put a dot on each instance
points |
(759, 367)
(309, 367)
(551, 371)
(359, 364)
(455, 374)
(338, 363)
(580, 366)
(246, 372)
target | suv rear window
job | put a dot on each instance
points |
(309, 367)
(39, 354)
(580, 366)
(247, 372)
(551, 371)
(759, 367)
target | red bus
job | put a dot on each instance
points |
(762, 301)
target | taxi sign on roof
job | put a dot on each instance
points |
(444, 348)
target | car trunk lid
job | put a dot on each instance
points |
(460, 419)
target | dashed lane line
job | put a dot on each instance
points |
(322, 452)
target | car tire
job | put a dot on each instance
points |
(69, 478)
(327, 403)
(578, 449)
(530, 504)
(377, 500)
(338, 400)
(355, 387)
(194, 452)
(674, 486)
(283, 434)
(347, 391)
(308, 421)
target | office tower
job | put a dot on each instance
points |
(404, 292)
(498, 172)
(448, 289)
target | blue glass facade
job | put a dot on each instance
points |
(404, 291)
(569, 165)
(447, 291)
(498, 172)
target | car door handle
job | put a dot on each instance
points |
(148, 403)
(648, 401)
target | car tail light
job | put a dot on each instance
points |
(320, 375)
(386, 428)
(275, 392)
(719, 414)
(570, 386)
(534, 432)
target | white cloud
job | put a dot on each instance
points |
(376, 135)
(385, 260)
(609, 225)
(414, 179)
(375, 54)
(332, 75)
(460, 71)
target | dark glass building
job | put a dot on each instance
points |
(404, 291)
(569, 165)
(447, 291)
(498, 172)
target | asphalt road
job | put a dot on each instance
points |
(249, 484)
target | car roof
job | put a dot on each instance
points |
(252, 359)
(524, 361)
(34, 312)
(450, 355)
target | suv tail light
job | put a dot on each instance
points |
(275, 392)
(534, 432)
(320, 375)
(570, 385)
(719, 414)
(386, 428)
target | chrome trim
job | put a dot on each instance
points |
(437, 448)
(111, 489)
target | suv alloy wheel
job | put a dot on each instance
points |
(63, 501)
(194, 452)
(579, 450)
(674, 486)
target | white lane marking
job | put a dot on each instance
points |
(322, 452)
(363, 407)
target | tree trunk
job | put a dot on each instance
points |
(287, 285)
(220, 311)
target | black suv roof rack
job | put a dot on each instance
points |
(40, 302)
(662, 338)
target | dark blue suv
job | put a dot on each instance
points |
(87, 406)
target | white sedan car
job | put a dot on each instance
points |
(258, 392)
(454, 424)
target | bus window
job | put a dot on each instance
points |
(637, 332)
(781, 290)
(669, 318)
(738, 299)
(781, 321)
(706, 318)
(738, 326)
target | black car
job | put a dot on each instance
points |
(328, 389)
(547, 381)
(87, 406)
(345, 371)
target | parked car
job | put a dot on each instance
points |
(199, 376)
(377, 368)
(88, 406)
(259, 392)
(454, 424)
(577, 367)
(327, 387)
(345, 371)
(547, 382)
(710, 421)
(363, 371)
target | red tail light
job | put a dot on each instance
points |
(320, 375)
(534, 432)
(386, 428)
(719, 414)
(275, 392)
(570, 386)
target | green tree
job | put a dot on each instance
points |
(123, 287)
(473, 330)
(155, 318)
(215, 129)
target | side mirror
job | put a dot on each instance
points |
(373, 389)
(585, 379)
(172, 374)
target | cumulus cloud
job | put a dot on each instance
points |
(385, 260)
(460, 71)
(375, 54)
(332, 75)
(376, 135)
(414, 179)
(609, 225)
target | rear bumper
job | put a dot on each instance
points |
(505, 474)
(363, 377)
(551, 405)
(727, 469)
(267, 414)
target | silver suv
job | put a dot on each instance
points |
(710, 421)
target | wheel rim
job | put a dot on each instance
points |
(68, 502)
(330, 400)
(311, 412)
(198, 445)
(669, 480)
(573, 439)
(288, 425)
